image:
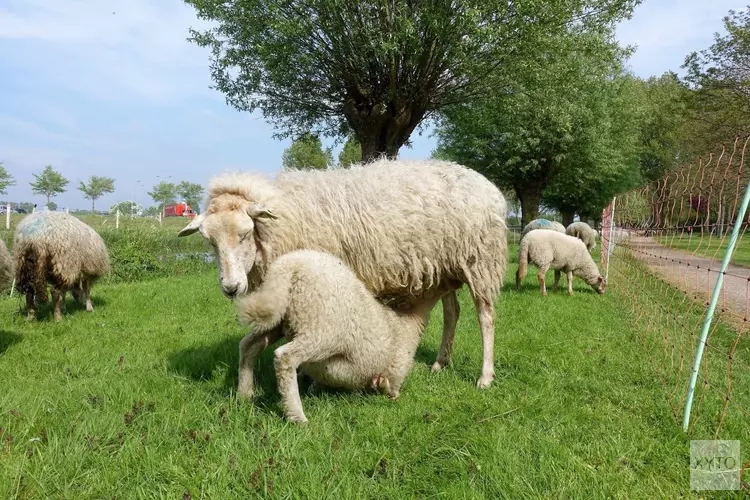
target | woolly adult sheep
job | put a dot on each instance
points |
(583, 232)
(561, 252)
(405, 227)
(542, 224)
(6, 266)
(58, 248)
(337, 331)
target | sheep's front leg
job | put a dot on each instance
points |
(486, 312)
(251, 346)
(451, 310)
(287, 358)
(57, 294)
(87, 295)
(570, 282)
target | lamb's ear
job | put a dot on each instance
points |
(194, 225)
(259, 211)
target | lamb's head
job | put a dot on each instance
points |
(600, 285)
(232, 227)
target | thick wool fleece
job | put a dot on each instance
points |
(542, 224)
(6, 266)
(583, 232)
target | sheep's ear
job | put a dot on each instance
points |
(194, 225)
(258, 211)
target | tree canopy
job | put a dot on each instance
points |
(163, 194)
(191, 193)
(96, 188)
(378, 68)
(6, 180)
(351, 153)
(307, 153)
(49, 183)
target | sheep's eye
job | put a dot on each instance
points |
(245, 235)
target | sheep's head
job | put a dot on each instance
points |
(232, 230)
(601, 284)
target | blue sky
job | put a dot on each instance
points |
(113, 88)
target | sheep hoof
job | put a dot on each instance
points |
(297, 419)
(437, 366)
(485, 381)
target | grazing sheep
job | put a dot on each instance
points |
(58, 248)
(559, 251)
(338, 332)
(542, 224)
(405, 228)
(583, 232)
(6, 266)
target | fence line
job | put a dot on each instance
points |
(671, 256)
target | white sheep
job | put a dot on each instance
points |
(405, 227)
(6, 266)
(338, 332)
(542, 224)
(583, 232)
(58, 248)
(550, 249)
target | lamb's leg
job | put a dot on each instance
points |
(557, 279)
(542, 279)
(87, 295)
(30, 306)
(287, 358)
(486, 313)
(251, 346)
(570, 282)
(56, 295)
(520, 275)
(451, 310)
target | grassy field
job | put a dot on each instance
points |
(137, 401)
(710, 246)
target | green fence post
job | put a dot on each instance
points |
(712, 307)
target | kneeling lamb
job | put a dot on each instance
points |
(550, 249)
(338, 332)
(58, 248)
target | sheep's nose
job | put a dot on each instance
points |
(231, 290)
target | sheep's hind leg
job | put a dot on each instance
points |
(451, 310)
(251, 346)
(542, 279)
(86, 293)
(557, 279)
(56, 296)
(287, 359)
(30, 306)
(570, 282)
(486, 313)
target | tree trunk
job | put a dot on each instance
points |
(381, 128)
(47, 205)
(530, 199)
(567, 217)
(92, 206)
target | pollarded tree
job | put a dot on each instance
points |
(6, 180)
(522, 134)
(375, 68)
(306, 153)
(49, 183)
(96, 188)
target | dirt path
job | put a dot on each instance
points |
(693, 274)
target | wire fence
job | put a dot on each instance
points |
(663, 246)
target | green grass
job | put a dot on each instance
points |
(710, 246)
(137, 401)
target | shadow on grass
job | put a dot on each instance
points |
(69, 308)
(7, 339)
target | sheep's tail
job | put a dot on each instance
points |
(266, 307)
(523, 257)
(31, 272)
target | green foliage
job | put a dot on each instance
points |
(49, 183)
(126, 207)
(96, 188)
(557, 117)
(307, 153)
(374, 68)
(191, 193)
(51, 205)
(163, 194)
(351, 153)
(6, 180)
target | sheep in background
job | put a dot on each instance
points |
(542, 224)
(404, 227)
(583, 232)
(58, 248)
(337, 331)
(561, 252)
(6, 266)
